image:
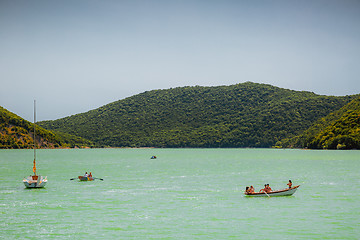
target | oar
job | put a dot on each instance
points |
(266, 194)
(98, 178)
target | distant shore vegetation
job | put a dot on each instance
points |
(17, 133)
(242, 115)
(338, 130)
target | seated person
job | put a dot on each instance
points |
(263, 190)
(268, 188)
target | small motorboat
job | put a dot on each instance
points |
(83, 178)
(277, 193)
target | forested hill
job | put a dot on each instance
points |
(338, 130)
(16, 132)
(242, 115)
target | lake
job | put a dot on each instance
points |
(183, 194)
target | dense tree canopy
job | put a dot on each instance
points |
(242, 115)
(15, 132)
(338, 130)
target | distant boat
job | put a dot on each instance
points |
(153, 157)
(86, 177)
(284, 192)
(35, 181)
(83, 178)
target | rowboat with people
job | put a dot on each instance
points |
(83, 178)
(86, 177)
(277, 193)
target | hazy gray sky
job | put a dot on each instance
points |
(74, 56)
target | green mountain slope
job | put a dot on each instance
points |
(15, 132)
(242, 115)
(338, 130)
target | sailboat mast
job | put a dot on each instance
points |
(34, 168)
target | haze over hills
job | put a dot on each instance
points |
(241, 115)
(16, 132)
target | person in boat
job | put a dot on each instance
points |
(247, 190)
(251, 190)
(268, 188)
(263, 190)
(90, 175)
(289, 184)
(86, 174)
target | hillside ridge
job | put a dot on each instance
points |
(338, 130)
(241, 115)
(17, 133)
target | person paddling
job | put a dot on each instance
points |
(263, 190)
(268, 188)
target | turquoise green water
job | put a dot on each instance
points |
(183, 194)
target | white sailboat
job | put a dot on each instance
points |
(35, 181)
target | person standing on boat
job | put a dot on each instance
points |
(289, 184)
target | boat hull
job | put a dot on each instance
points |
(284, 192)
(83, 178)
(35, 182)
